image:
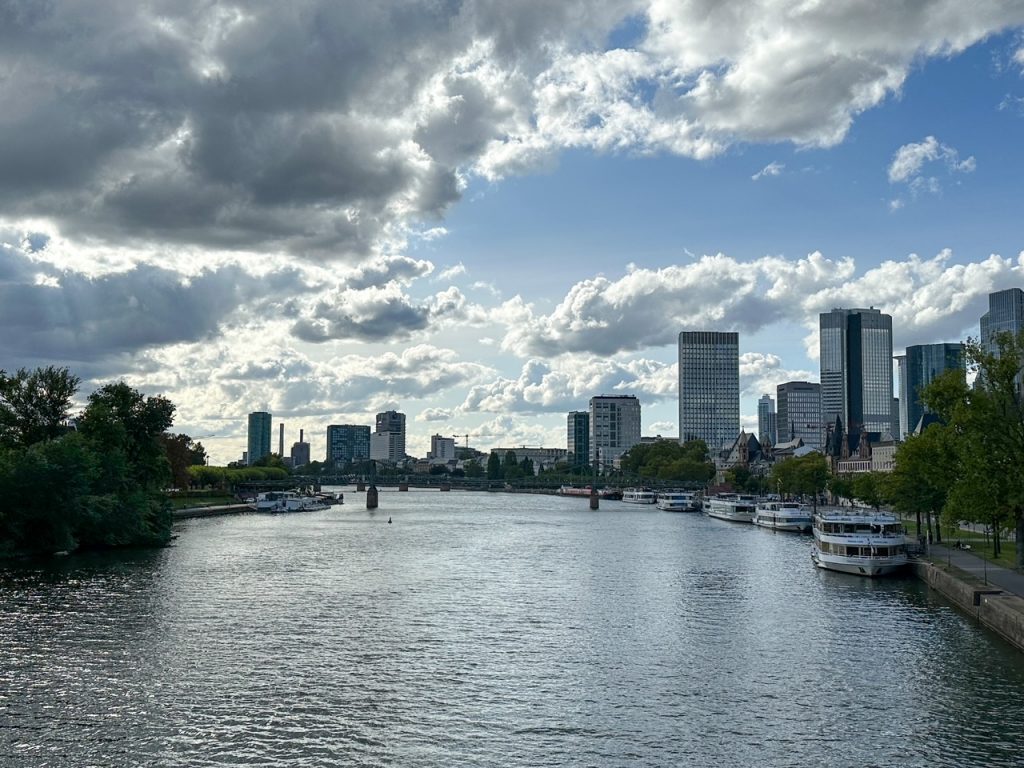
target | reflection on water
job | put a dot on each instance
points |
(489, 629)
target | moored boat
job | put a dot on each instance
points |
(730, 506)
(783, 516)
(679, 501)
(866, 543)
(287, 501)
(574, 490)
(639, 496)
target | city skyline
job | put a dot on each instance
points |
(490, 215)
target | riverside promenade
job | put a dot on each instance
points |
(990, 593)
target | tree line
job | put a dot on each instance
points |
(95, 482)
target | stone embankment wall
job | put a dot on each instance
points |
(226, 509)
(990, 606)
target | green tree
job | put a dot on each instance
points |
(988, 421)
(802, 475)
(125, 428)
(473, 468)
(924, 474)
(34, 405)
(494, 469)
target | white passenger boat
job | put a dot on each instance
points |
(783, 516)
(287, 501)
(639, 496)
(679, 501)
(604, 493)
(731, 506)
(862, 542)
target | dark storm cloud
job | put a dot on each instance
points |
(67, 316)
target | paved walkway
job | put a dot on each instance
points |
(979, 567)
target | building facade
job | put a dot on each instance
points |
(614, 427)
(1005, 315)
(799, 413)
(924, 362)
(856, 370)
(441, 448)
(542, 458)
(578, 437)
(388, 447)
(767, 433)
(392, 422)
(901, 382)
(347, 442)
(300, 452)
(709, 388)
(259, 437)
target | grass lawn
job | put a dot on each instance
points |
(980, 544)
(185, 501)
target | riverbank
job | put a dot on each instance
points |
(991, 594)
(210, 511)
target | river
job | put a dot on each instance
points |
(491, 630)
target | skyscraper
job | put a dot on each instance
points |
(259, 436)
(924, 363)
(901, 369)
(766, 421)
(347, 442)
(856, 370)
(393, 422)
(799, 413)
(614, 426)
(1005, 314)
(709, 388)
(578, 437)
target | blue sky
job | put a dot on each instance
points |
(497, 210)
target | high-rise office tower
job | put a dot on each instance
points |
(799, 413)
(259, 436)
(901, 377)
(924, 362)
(614, 426)
(1005, 314)
(766, 421)
(442, 447)
(709, 388)
(392, 422)
(856, 370)
(578, 437)
(347, 442)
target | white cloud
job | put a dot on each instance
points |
(449, 273)
(772, 169)
(909, 161)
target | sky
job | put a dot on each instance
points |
(484, 212)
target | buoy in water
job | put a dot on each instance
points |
(389, 521)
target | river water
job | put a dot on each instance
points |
(491, 630)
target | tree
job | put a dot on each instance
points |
(125, 429)
(494, 467)
(925, 471)
(802, 475)
(988, 422)
(182, 453)
(473, 468)
(34, 406)
(668, 460)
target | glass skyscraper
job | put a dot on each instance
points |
(924, 363)
(799, 413)
(709, 388)
(259, 436)
(766, 422)
(856, 370)
(1005, 314)
(578, 437)
(347, 442)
